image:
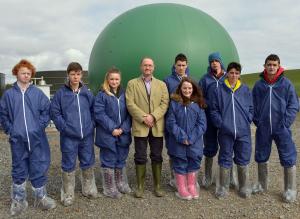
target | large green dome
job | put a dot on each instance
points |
(160, 31)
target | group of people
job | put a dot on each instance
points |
(196, 119)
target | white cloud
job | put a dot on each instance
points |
(53, 33)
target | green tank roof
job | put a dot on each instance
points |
(159, 31)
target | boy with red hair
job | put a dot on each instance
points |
(24, 114)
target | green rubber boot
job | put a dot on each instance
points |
(140, 179)
(156, 171)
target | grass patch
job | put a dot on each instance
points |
(293, 75)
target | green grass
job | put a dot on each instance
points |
(293, 75)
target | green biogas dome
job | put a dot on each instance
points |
(159, 31)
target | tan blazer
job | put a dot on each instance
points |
(138, 105)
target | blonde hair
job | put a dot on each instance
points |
(105, 86)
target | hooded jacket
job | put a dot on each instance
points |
(209, 84)
(232, 111)
(25, 115)
(111, 113)
(72, 113)
(275, 105)
(185, 123)
(172, 81)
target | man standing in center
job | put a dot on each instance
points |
(147, 101)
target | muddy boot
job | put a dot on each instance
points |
(156, 172)
(41, 200)
(140, 179)
(290, 185)
(67, 190)
(207, 179)
(262, 183)
(122, 181)
(243, 176)
(181, 184)
(193, 186)
(18, 199)
(89, 188)
(172, 181)
(233, 178)
(224, 180)
(109, 183)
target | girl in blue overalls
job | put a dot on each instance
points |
(186, 123)
(113, 134)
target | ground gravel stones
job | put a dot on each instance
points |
(268, 205)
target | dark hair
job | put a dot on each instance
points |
(272, 57)
(235, 65)
(197, 95)
(74, 66)
(26, 64)
(181, 57)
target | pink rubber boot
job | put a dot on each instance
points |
(192, 185)
(182, 193)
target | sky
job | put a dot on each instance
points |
(53, 33)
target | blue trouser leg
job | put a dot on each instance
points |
(242, 150)
(86, 152)
(286, 148)
(263, 144)
(193, 164)
(108, 157)
(211, 145)
(180, 164)
(194, 155)
(20, 161)
(226, 150)
(69, 149)
(122, 153)
(39, 162)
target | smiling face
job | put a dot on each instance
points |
(75, 78)
(187, 89)
(233, 76)
(180, 67)
(272, 67)
(24, 75)
(114, 80)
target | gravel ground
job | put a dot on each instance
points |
(268, 205)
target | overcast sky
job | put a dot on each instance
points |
(51, 33)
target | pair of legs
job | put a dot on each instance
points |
(186, 171)
(140, 159)
(32, 165)
(240, 147)
(72, 148)
(113, 164)
(211, 147)
(287, 156)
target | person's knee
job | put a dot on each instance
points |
(68, 163)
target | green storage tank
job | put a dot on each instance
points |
(160, 31)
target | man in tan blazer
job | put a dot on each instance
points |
(147, 101)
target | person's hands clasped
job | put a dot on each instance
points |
(117, 132)
(186, 142)
(149, 120)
